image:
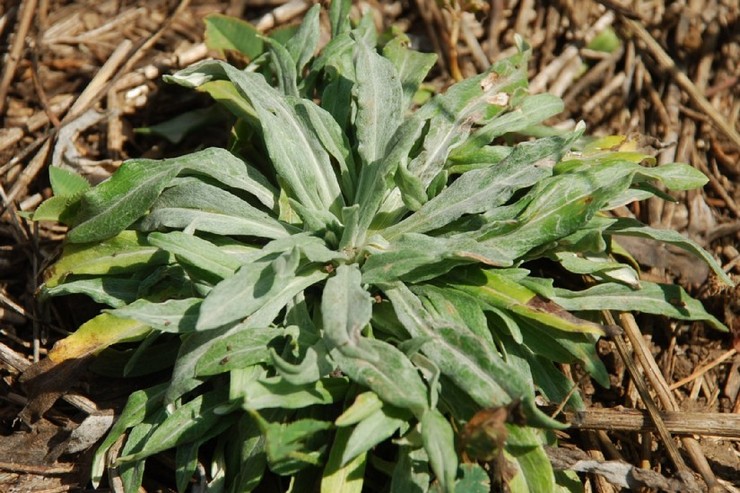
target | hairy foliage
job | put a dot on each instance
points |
(344, 296)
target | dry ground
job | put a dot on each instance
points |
(78, 77)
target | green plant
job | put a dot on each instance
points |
(345, 296)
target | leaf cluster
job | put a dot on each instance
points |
(342, 296)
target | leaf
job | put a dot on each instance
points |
(284, 67)
(631, 227)
(468, 103)
(177, 128)
(139, 405)
(347, 478)
(505, 293)
(246, 291)
(658, 299)
(195, 346)
(185, 424)
(379, 103)
(95, 335)
(177, 316)
(385, 370)
(676, 176)
(197, 252)
(293, 446)
(302, 44)
(469, 361)
(525, 113)
(111, 291)
(416, 257)
(251, 456)
(240, 349)
(411, 474)
(375, 428)
(125, 253)
(439, 442)
(115, 204)
(563, 204)
(482, 189)
(365, 405)
(276, 392)
(474, 480)
(66, 183)
(296, 153)
(526, 455)
(193, 205)
(346, 308)
(412, 66)
(229, 170)
(230, 33)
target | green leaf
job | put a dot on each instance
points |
(139, 405)
(525, 113)
(196, 252)
(66, 183)
(111, 291)
(412, 66)
(386, 371)
(474, 480)
(417, 257)
(503, 292)
(347, 478)
(178, 316)
(411, 474)
(482, 189)
(364, 405)
(467, 359)
(276, 392)
(195, 346)
(293, 446)
(527, 457)
(230, 33)
(196, 206)
(439, 442)
(676, 176)
(240, 349)
(229, 170)
(246, 291)
(177, 128)
(284, 66)
(302, 44)
(125, 253)
(658, 299)
(346, 308)
(115, 204)
(376, 427)
(631, 227)
(296, 152)
(252, 461)
(185, 424)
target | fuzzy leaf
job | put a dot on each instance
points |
(230, 33)
(345, 478)
(346, 308)
(631, 227)
(439, 442)
(178, 316)
(125, 253)
(115, 204)
(66, 183)
(185, 424)
(483, 189)
(658, 299)
(297, 154)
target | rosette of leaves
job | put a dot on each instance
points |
(344, 297)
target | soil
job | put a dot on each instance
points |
(79, 79)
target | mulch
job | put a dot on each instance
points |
(78, 78)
